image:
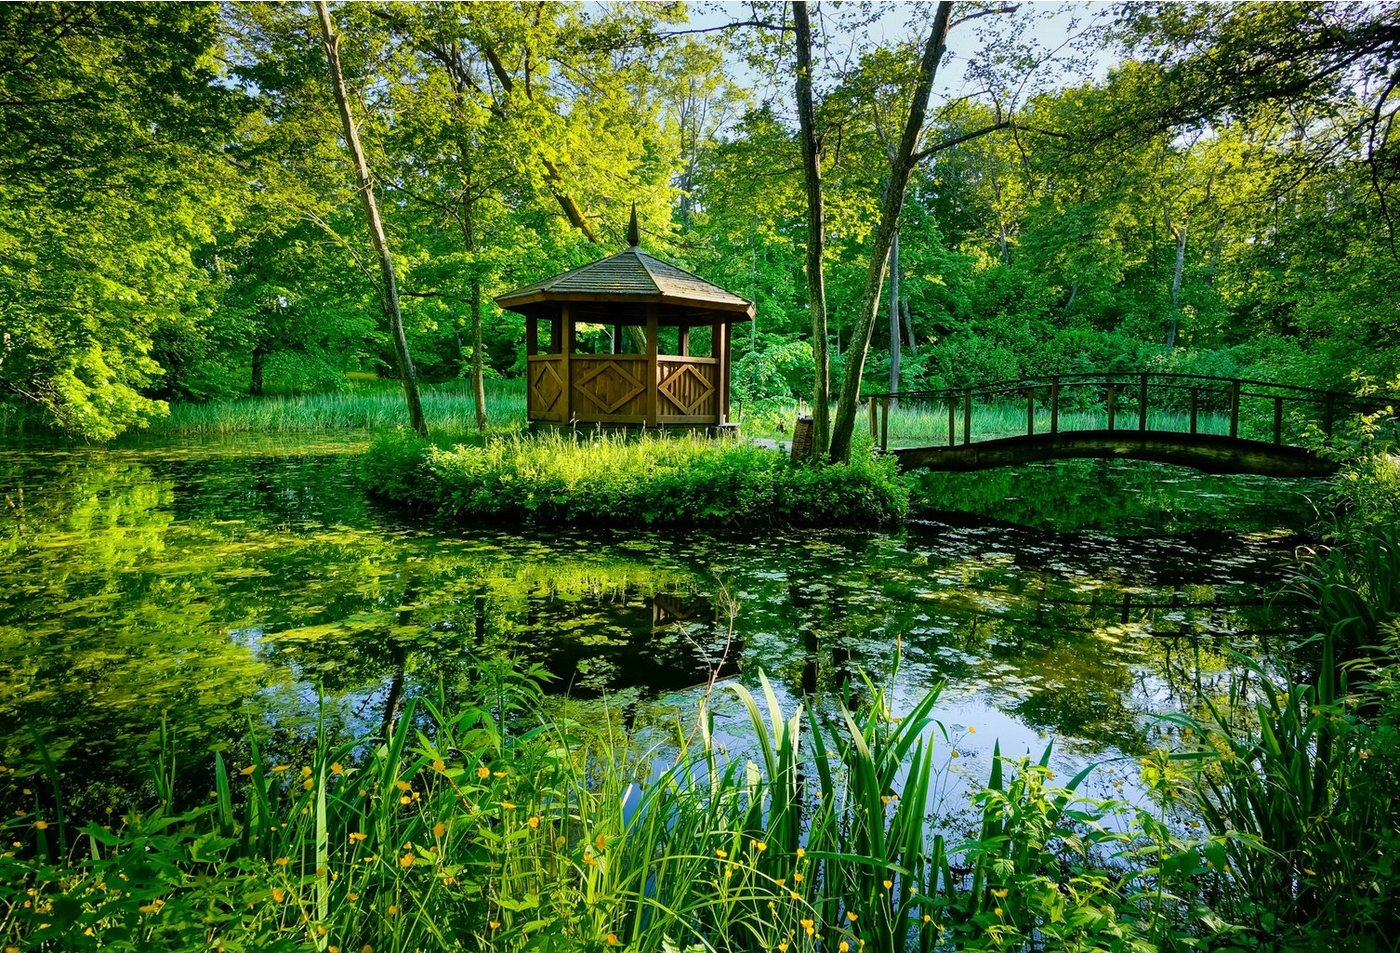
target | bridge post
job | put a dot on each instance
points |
(1278, 421)
(1055, 405)
(1195, 407)
(1142, 403)
(1030, 411)
(884, 424)
(874, 431)
(1234, 409)
(967, 416)
(1112, 404)
(952, 422)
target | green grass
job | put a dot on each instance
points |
(617, 480)
(499, 825)
(448, 408)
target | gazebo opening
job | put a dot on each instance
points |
(628, 340)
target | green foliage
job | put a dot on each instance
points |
(611, 480)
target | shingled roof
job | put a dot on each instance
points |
(631, 276)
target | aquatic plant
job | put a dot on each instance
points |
(611, 479)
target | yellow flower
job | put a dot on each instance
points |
(613, 940)
(997, 911)
(403, 785)
(439, 829)
(41, 825)
(337, 769)
(308, 784)
(720, 853)
(600, 842)
(888, 883)
(484, 772)
(356, 837)
(305, 772)
(248, 770)
(760, 846)
(282, 861)
(366, 949)
(885, 800)
(927, 918)
(439, 765)
(507, 806)
(781, 881)
(495, 924)
(971, 730)
(534, 821)
(279, 768)
(406, 861)
(498, 774)
(794, 895)
(278, 894)
(1000, 894)
(393, 910)
(809, 927)
(152, 907)
(801, 853)
(782, 947)
(797, 878)
(843, 946)
(851, 915)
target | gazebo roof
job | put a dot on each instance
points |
(630, 276)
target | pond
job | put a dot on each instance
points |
(207, 586)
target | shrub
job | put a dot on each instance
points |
(611, 480)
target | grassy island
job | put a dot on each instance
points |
(610, 480)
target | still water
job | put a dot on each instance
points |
(210, 586)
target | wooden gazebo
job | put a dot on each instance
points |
(594, 375)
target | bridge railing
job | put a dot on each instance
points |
(1138, 400)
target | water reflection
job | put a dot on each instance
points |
(211, 586)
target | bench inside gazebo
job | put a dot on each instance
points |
(672, 370)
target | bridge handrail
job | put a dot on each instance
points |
(1115, 377)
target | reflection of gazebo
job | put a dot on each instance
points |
(667, 384)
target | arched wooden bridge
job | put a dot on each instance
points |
(1216, 424)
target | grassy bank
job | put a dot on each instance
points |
(613, 480)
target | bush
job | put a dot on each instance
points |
(614, 481)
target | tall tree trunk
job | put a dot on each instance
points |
(389, 292)
(255, 377)
(908, 326)
(894, 313)
(816, 229)
(474, 284)
(1178, 233)
(905, 158)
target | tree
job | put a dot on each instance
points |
(816, 227)
(389, 290)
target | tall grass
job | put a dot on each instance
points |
(448, 408)
(494, 825)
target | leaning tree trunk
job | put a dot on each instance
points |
(900, 169)
(816, 229)
(1178, 233)
(389, 291)
(894, 313)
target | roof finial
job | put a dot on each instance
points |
(634, 234)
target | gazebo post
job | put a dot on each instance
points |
(556, 333)
(653, 336)
(683, 333)
(617, 339)
(723, 375)
(566, 348)
(532, 335)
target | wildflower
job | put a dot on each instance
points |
(600, 842)
(885, 800)
(927, 918)
(888, 883)
(1000, 894)
(337, 768)
(613, 940)
(997, 911)
(366, 949)
(844, 947)
(534, 821)
(971, 730)
(495, 924)
(439, 829)
(308, 784)
(406, 861)
(352, 896)
(1310, 873)
(483, 772)
(955, 753)
(781, 881)
(357, 836)
(305, 772)
(41, 825)
(782, 947)
(498, 774)
(279, 768)
(393, 910)
(797, 878)
(152, 907)
(851, 915)
(248, 770)
(801, 853)
(760, 846)
(403, 786)
(405, 799)
(721, 853)
(809, 927)
(439, 765)
(507, 806)
(794, 895)
(278, 895)
(282, 861)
